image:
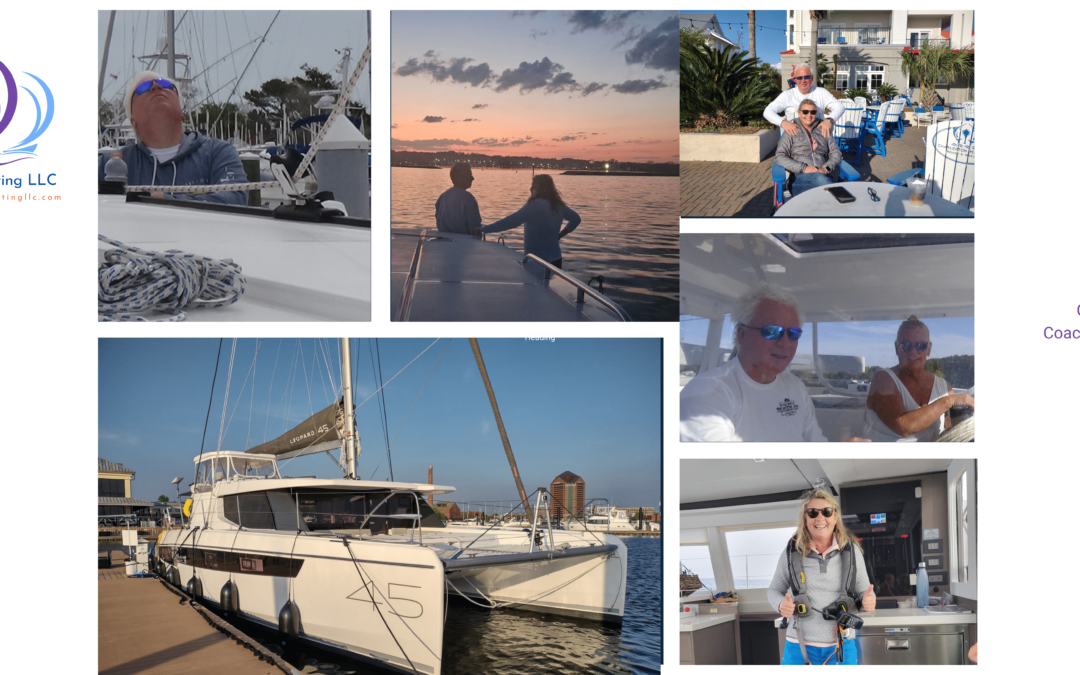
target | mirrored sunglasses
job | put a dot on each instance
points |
(774, 332)
(803, 77)
(827, 512)
(919, 346)
(149, 84)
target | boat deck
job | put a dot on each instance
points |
(441, 276)
(143, 628)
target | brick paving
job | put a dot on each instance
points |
(739, 189)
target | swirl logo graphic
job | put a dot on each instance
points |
(28, 145)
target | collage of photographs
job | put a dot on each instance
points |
(488, 496)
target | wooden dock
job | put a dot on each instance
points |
(145, 627)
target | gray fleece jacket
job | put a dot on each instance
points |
(200, 161)
(795, 153)
(823, 585)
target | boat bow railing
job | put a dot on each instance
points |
(582, 289)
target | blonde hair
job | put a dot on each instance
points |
(802, 536)
(912, 322)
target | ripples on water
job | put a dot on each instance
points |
(513, 642)
(629, 228)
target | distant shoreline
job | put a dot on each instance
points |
(576, 172)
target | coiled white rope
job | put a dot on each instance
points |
(133, 284)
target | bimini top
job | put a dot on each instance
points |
(847, 277)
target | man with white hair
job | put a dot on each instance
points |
(753, 397)
(804, 88)
(165, 155)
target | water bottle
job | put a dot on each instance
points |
(922, 587)
(116, 168)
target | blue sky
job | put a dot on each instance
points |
(770, 34)
(591, 406)
(871, 339)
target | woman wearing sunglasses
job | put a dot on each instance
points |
(810, 154)
(907, 402)
(820, 543)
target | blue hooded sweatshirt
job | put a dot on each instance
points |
(200, 161)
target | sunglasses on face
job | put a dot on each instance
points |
(803, 77)
(149, 84)
(827, 512)
(807, 112)
(919, 346)
(774, 332)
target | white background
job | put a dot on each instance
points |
(1026, 267)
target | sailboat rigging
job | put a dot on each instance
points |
(364, 568)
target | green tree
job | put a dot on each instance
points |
(936, 63)
(815, 16)
(163, 499)
(724, 84)
(824, 77)
(692, 37)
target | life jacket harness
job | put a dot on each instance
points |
(849, 600)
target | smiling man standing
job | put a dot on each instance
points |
(804, 88)
(165, 155)
(753, 397)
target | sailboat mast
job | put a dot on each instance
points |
(350, 416)
(502, 430)
(170, 44)
(105, 54)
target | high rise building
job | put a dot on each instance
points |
(567, 496)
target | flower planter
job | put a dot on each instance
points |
(706, 147)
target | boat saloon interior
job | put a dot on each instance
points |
(737, 517)
(853, 291)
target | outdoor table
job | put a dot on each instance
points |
(894, 202)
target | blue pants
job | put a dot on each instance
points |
(809, 181)
(793, 655)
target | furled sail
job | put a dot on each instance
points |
(322, 431)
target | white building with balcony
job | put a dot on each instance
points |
(710, 27)
(863, 48)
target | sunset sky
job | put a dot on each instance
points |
(584, 84)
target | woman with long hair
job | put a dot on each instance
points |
(542, 216)
(818, 547)
(907, 401)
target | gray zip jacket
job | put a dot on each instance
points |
(824, 586)
(795, 153)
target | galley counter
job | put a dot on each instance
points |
(912, 637)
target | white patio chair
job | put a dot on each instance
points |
(860, 101)
(969, 110)
(949, 166)
(956, 112)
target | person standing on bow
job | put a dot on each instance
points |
(542, 216)
(456, 209)
(831, 560)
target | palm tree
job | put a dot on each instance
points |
(815, 16)
(725, 83)
(753, 44)
(933, 64)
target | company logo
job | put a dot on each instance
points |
(787, 408)
(957, 142)
(10, 99)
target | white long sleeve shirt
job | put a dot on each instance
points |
(791, 98)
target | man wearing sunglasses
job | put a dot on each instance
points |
(804, 88)
(753, 397)
(167, 156)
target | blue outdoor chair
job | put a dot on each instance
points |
(848, 132)
(894, 119)
(874, 127)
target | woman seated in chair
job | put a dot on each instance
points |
(809, 154)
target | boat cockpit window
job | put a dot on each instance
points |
(695, 559)
(209, 472)
(753, 554)
(251, 467)
(820, 243)
(331, 511)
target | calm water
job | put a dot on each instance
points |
(509, 642)
(629, 229)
